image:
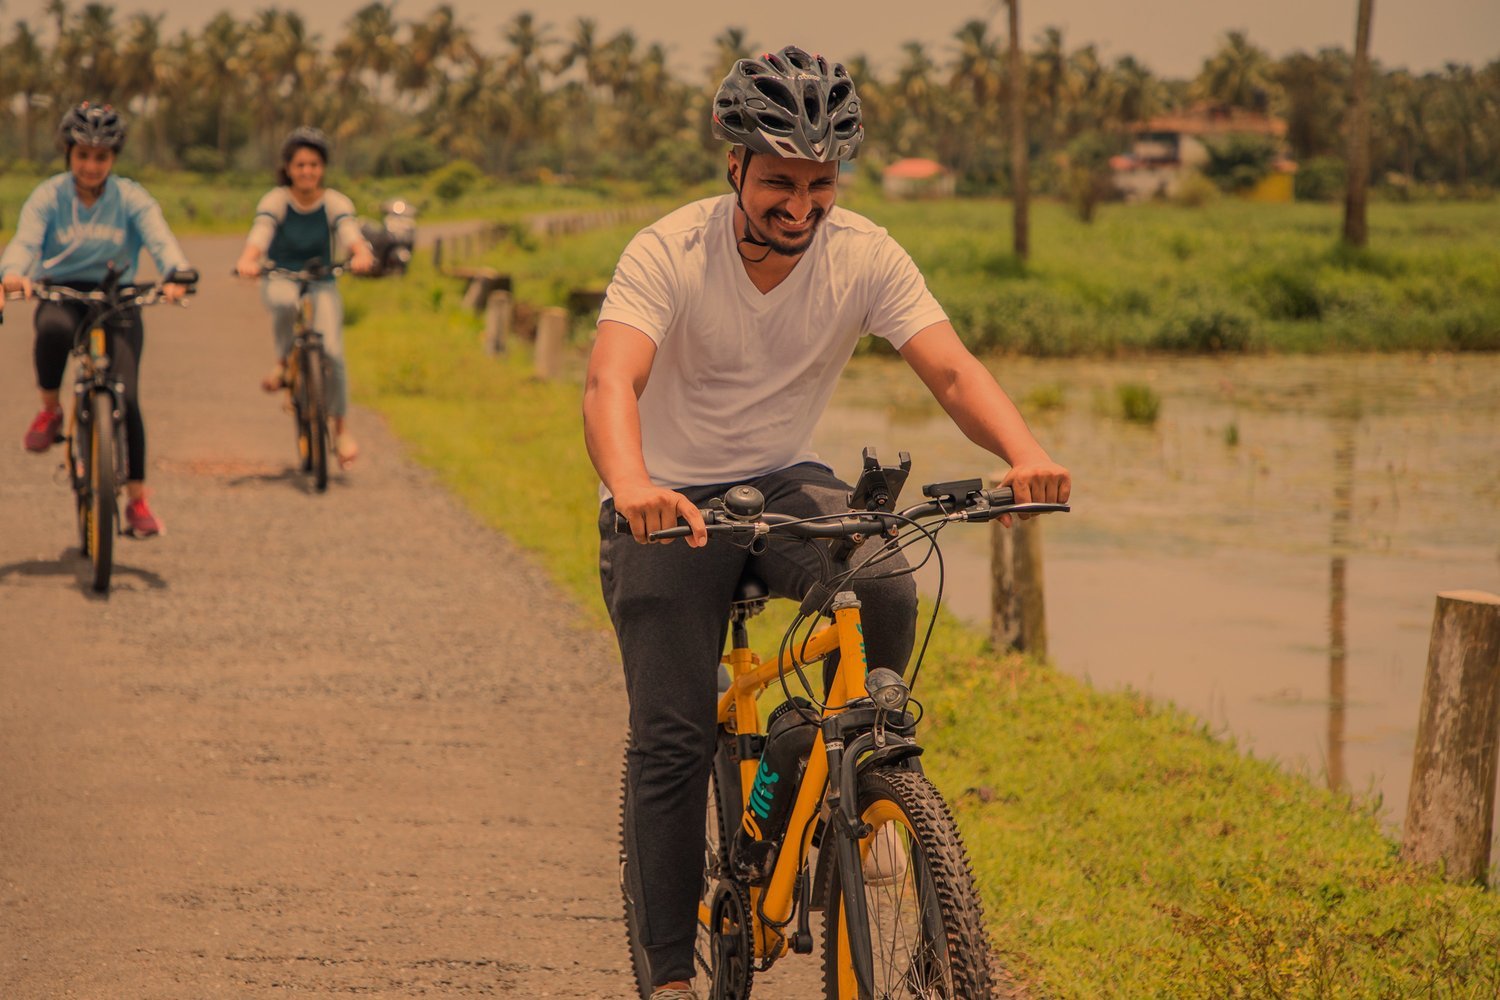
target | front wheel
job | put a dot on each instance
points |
(926, 927)
(315, 413)
(100, 516)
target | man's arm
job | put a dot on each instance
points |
(619, 367)
(982, 410)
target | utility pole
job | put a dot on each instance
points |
(1020, 158)
(1356, 233)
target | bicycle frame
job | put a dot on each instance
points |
(749, 677)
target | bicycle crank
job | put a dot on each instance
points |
(733, 947)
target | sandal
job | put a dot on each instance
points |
(347, 449)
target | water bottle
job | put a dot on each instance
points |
(789, 739)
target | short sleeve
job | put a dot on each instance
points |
(900, 305)
(642, 293)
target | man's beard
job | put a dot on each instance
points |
(784, 247)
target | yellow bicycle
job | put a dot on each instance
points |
(825, 807)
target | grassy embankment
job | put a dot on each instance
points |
(1123, 851)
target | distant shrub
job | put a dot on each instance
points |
(407, 156)
(1238, 161)
(1045, 398)
(1204, 328)
(1088, 177)
(1195, 191)
(1319, 179)
(1139, 403)
(204, 160)
(1289, 291)
(451, 182)
(1472, 329)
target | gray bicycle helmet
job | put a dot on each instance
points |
(305, 137)
(91, 125)
(790, 104)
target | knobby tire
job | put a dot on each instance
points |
(926, 923)
(315, 412)
(101, 486)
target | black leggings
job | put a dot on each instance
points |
(56, 323)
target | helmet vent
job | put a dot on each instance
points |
(777, 91)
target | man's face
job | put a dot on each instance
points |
(90, 165)
(785, 200)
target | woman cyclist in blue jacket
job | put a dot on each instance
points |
(72, 228)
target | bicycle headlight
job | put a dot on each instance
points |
(887, 689)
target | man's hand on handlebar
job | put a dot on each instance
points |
(653, 508)
(17, 283)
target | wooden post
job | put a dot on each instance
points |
(497, 321)
(551, 330)
(1451, 811)
(1018, 608)
(481, 284)
(437, 255)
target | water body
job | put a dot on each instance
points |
(1266, 555)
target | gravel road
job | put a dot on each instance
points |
(354, 743)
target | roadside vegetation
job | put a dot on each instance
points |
(1226, 277)
(1123, 850)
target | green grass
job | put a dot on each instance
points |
(1225, 278)
(1122, 850)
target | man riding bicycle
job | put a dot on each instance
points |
(719, 344)
(73, 228)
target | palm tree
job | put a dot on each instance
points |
(222, 63)
(369, 46)
(1134, 93)
(438, 50)
(1049, 78)
(1238, 75)
(96, 67)
(140, 72)
(729, 45)
(24, 75)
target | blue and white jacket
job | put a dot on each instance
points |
(61, 239)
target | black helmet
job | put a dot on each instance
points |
(790, 104)
(304, 137)
(91, 125)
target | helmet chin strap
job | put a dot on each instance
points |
(740, 204)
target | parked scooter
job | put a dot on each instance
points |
(394, 237)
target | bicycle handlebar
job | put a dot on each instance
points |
(978, 507)
(318, 273)
(144, 293)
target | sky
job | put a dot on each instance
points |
(1172, 37)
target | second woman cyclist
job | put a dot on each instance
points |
(297, 222)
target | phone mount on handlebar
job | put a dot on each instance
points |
(879, 485)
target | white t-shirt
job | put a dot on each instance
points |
(741, 377)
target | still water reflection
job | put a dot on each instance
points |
(1266, 555)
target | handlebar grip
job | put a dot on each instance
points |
(1001, 495)
(181, 276)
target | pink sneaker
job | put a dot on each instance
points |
(139, 521)
(43, 432)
